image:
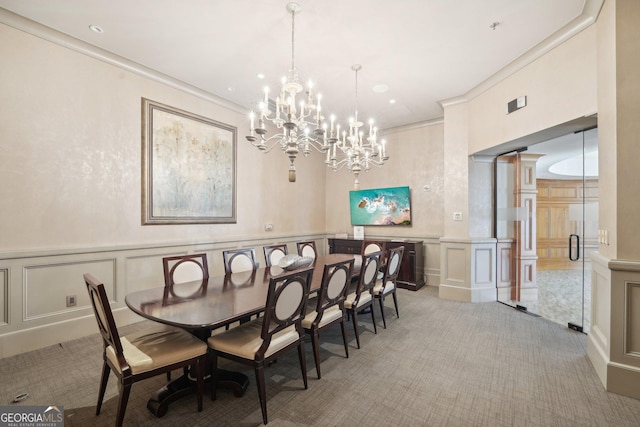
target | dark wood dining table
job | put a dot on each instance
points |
(209, 304)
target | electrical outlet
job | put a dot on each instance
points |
(457, 216)
(268, 227)
(71, 300)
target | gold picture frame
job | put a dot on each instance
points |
(188, 167)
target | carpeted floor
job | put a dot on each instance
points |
(442, 363)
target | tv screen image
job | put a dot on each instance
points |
(380, 206)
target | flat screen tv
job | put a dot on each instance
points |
(381, 206)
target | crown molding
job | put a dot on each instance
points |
(38, 30)
(589, 16)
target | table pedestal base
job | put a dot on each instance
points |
(183, 386)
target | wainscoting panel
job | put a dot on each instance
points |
(632, 324)
(4, 296)
(455, 265)
(483, 266)
(432, 262)
(468, 269)
(46, 286)
(145, 271)
(599, 333)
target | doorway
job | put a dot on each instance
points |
(546, 199)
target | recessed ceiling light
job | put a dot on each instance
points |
(96, 29)
(381, 88)
(392, 101)
(260, 76)
(230, 89)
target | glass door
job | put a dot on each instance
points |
(557, 285)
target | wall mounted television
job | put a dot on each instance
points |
(380, 206)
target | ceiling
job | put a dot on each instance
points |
(424, 51)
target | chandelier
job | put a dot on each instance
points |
(352, 149)
(300, 124)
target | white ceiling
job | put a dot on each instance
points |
(425, 51)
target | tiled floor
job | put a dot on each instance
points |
(560, 297)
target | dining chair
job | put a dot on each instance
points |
(273, 253)
(388, 283)
(369, 246)
(185, 268)
(362, 297)
(307, 249)
(329, 306)
(143, 354)
(258, 342)
(239, 260)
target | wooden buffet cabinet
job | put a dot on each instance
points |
(412, 268)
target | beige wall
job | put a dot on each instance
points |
(71, 165)
(627, 144)
(560, 86)
(415, 159)
(607, 153)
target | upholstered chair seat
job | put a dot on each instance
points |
(245, 340)
(389, 287)
(330, 315)
(157, 347)
(351, 299)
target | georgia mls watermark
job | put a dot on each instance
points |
(31, 416)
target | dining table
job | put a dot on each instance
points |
(203, 306)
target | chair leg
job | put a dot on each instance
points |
(316, 350)
(106, 370)
(395, 302)
(344, 338)
(381, 301)
(262, 394)
(355, 327)
(125, 390)
(303, 363)
(214, 374)
(373, 319)
(200, 363)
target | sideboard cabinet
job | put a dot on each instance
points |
(412, 268)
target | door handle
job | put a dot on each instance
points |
(577, 251)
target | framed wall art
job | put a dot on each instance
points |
(188, 167)
(380, 206)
